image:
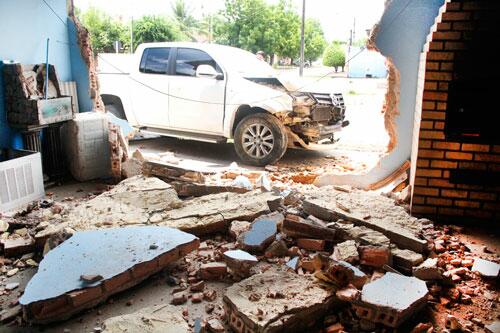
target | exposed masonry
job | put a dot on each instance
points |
(391, 101)
(88, 58)
(433, 194)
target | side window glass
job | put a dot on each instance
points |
(188, 61)
(155, 60)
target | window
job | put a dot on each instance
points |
(155, 60)
(188, 61)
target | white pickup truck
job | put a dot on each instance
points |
(213, 93)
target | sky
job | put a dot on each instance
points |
(336, 16)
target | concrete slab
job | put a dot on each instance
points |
(391, 299)
(276, 302)
(367, 209)
(122, 256)
(261, 234)
(486, 268)
(157, 319)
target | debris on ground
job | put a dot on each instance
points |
(274, 256)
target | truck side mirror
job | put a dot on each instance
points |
(208, 71)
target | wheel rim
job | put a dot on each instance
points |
(258, 140)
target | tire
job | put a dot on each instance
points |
(260, 139)
(116, 111)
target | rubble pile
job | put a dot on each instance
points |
(328, 259)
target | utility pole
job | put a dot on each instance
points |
(301, 68)
(131, 34)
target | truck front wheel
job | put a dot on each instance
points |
(260, 139)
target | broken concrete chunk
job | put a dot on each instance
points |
(406, 259)
(240, 262)
(293, 263)
(261, 234)
(157, 319)
(346, 251)
(486, 268)
(342, 273)
(179, 298)
(297, 227)
(301, 301)
(56, 291)
(428, 270)
(18, 246)
(238, 227)
(391, 299)
(213, 270)
(278, 248)
(375, 256)
(4, 225)
(10, 314)
(215, 326)
(348, 294)
(493, 327)
(385, 216)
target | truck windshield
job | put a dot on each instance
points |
(244, 63)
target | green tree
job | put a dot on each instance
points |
(155, 29)
(103, 30)
(285, 30)
(314, 40)
(182, 14)
(334, 56)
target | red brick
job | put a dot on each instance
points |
(432, 173)
(458, 155)
(443, 86)
(472, 165)
(444, 164)
(454, 193)
(475, 147)
(420, 181)
(455, 46)
(496, 149)
(483, 196)
(491, 206)
(467, 204)
(439, 76)
(446, 145)
(475, 5)
(168, 257)
(430, 85)
(213, 270)
(448, 35)
(455, 16)
(435, 46)
(418, 200)
(427, 124)
(145, 268)
(186, 248)
(311, 244)
(435, 96)
(437, 115)
(446, 66)
(450, 211)
(440, 183)
(433, 55)
(430, 153)
(443, 26)
(463, 26)
(428, 105)
(53, 305)
(487, 158)
(418, 209)
(439, 201)
(116, 282)
(426, 191)
(376, 256)
(432, 66)
(439, 125)
(441, 106)
(80, 297)
(422, 144)
(432, 135)
(446, 174)
(453, 6)
(421, 163)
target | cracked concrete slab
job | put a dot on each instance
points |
(150, 201)
(276, 302)
(157, 319)
(122, 257)
(367, 209)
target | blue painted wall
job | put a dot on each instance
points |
(365, 63)
(24, 28)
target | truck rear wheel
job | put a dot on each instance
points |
(260, 139)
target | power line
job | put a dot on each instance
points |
(54, 12)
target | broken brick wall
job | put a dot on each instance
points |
(434, 194)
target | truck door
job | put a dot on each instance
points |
(196, 103)
(150, 87)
